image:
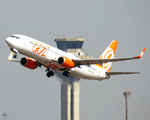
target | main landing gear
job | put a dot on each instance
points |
(49, 73)
(66, 73)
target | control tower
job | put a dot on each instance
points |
(70, 87)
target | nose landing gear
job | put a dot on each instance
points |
(15, 56)
(14, 51)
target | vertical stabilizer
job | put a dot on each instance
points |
(108, 54)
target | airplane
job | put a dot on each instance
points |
(39, 54)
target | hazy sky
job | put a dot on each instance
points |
(30, 95)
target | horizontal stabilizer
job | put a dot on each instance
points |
(121, 73)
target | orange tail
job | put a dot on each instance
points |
(108, 54)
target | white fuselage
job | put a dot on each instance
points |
(48, 56)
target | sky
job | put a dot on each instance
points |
(29, 95)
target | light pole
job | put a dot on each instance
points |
(126, 93)
(5, 114)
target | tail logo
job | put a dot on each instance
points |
(109, 54)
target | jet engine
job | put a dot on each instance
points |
(65, 62)
(28, 63)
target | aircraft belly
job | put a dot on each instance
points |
(84, 74)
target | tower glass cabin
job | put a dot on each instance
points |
(72, 45)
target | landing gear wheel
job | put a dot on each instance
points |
(15, 56)
(66, 73)
(50, 73)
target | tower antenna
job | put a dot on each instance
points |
(78, 31)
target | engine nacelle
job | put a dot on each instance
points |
(65, 62)
(28, 63)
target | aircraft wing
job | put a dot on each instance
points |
(121, 73)
(100, 61)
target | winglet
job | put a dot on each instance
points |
(141, 54)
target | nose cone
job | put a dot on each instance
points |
(9, 42)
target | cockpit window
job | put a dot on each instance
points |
(15, 37)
